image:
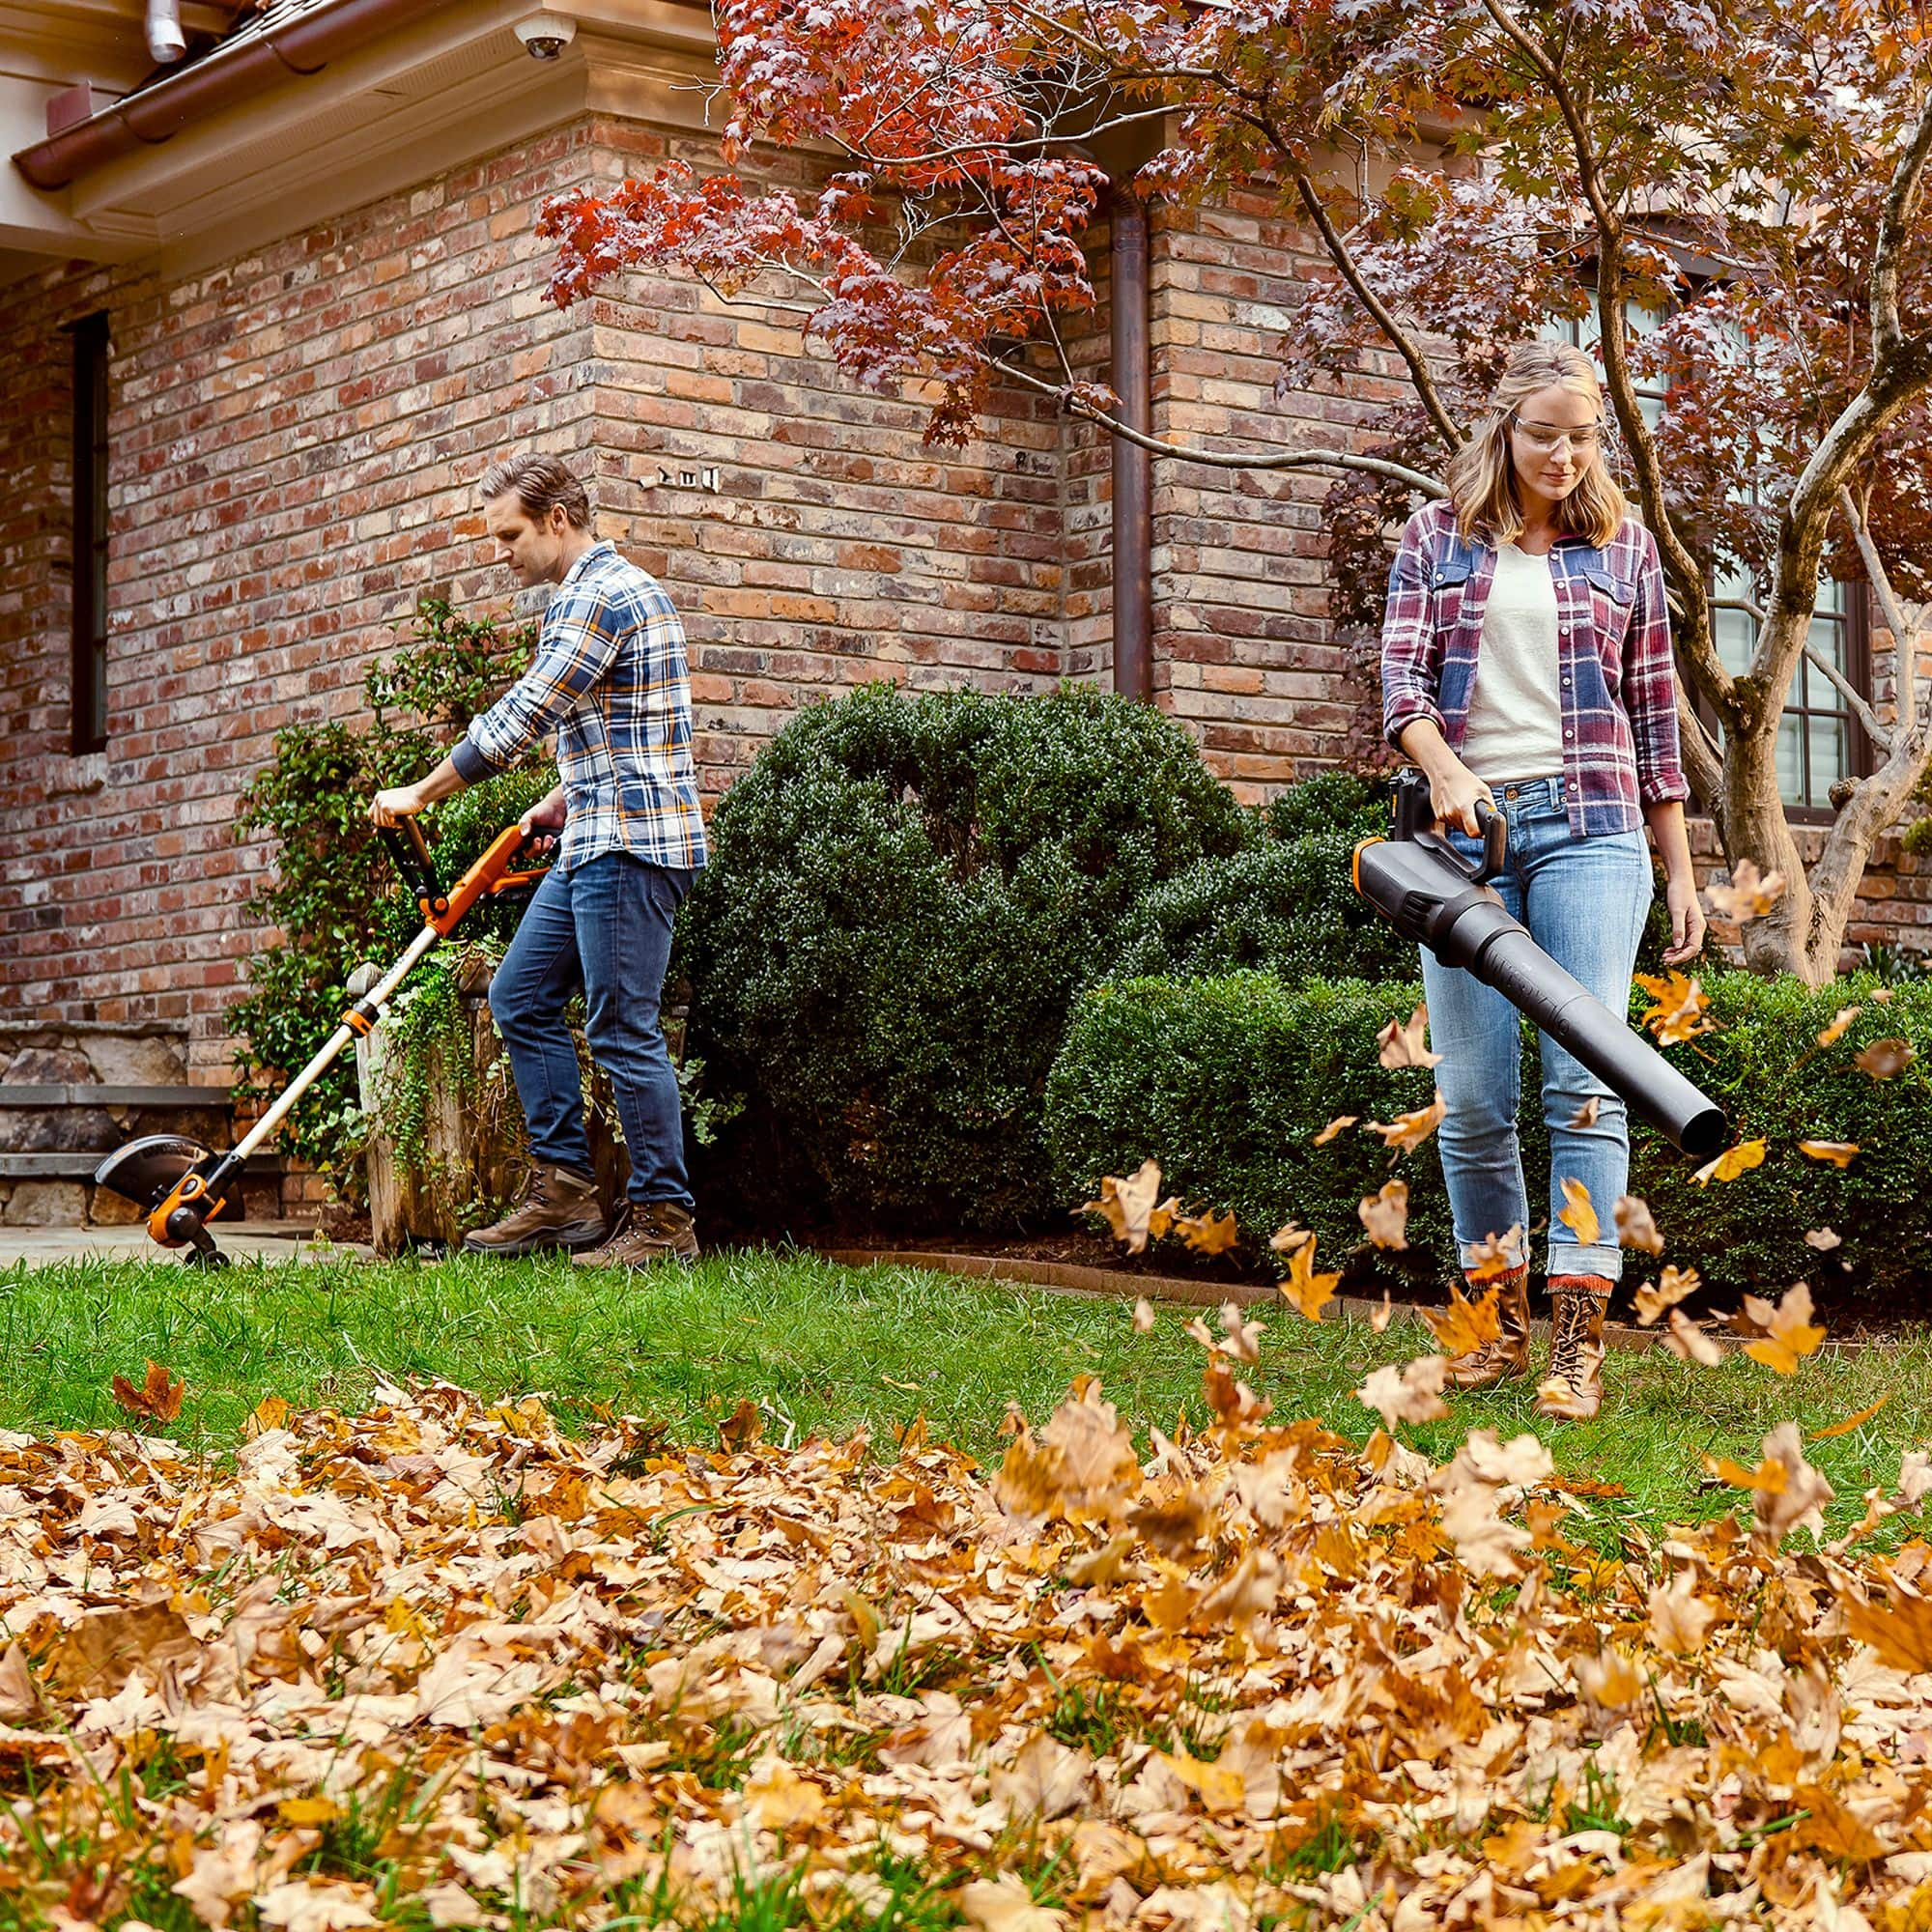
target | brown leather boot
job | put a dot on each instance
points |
(1575, 1389)
(1508, 1355)
(653, 1231)
(559, 1210)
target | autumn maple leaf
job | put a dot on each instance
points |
(1304, 1290)
(159, 1395)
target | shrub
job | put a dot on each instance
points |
(1226, 1080)
(905, 894)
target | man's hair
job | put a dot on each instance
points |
(542, 483)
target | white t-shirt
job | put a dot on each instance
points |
(1515, 726)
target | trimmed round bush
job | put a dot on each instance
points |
(905, 895)
(1224, 1081)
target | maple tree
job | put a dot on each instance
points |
(1747, 174)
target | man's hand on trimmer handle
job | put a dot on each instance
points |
(547, 815)
(398, 803)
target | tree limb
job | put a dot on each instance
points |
(1878, 733)
(1900, 205)
(1904, 630)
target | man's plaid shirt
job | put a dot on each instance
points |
(610, 681)
(1619, 688)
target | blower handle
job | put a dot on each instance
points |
(1415, 819)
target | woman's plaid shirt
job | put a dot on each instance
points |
(610, 681)
(1619, 688)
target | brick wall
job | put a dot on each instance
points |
(296, 437)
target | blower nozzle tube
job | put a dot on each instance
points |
(1418, 885)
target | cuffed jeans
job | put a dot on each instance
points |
(1584, 901)
(605, 926)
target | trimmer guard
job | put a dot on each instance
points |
(147, 1171)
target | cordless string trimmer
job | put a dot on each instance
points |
(1431, 893)
(182, 1184)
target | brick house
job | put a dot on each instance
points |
(267, 310)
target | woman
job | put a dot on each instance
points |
(1526, 662)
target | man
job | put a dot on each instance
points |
(609, 678)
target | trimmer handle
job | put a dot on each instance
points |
(1415, 819)
(410, 852)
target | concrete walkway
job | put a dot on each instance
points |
(270, 1241)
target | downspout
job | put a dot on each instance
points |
(166, 43)
(1133, 466)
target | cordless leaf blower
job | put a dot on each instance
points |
(1430, 892)
(181, 1185)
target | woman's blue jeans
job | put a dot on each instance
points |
(605, 926)
(1584, 901)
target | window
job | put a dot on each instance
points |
(1819, 742)
(90, 534)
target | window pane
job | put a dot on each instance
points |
(1735, 636)
(1831, 756)
(1828, 639)
(1791, 759)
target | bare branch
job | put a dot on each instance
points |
(1702, 756)
(1279, 459)
(1904, 630)
(1878, 733)
(1900, 205)
(1409, 350)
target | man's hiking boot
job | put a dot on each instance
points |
(1507, 1354)
(646, 1232)
(559, 1210)
(1575, 1389)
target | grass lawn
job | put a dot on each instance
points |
(828, 1348)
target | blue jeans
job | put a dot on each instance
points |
(1584, 901)
(605, 926)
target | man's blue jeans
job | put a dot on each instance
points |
(605, 926)
(1584, 901)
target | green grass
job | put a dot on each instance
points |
(830, 1348)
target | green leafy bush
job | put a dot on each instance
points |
(1225, 1081)
(333, 894)
(905, 894)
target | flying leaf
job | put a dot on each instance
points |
(1839, 1152)
(1143, 1315)
(1286, 1239)
(1307, 1291)
(1688, 1343)
(1379, 1319)
(1651, 1302)
(1243, 1337)
(1207, 1233)
(1125, 1206)
(159, 1395)
(1840, 1020)
(1404, 1046)
(1385, 1215)
(1464, 1326)
(1635, 1227)
(1747, 895)
(1338, 1125)
(1824, 1239)
(1494, 1255)
(1407, 1131)
(1885, 1059)
(1900, 1630)
(1579, 1213)
(1681, 1011)
(1408, 1392)
(1586, 1116)
(1850, 1423)
(1732, 1162)
(1789, 1334)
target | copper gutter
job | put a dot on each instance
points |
(1133, 466)
(246, 67)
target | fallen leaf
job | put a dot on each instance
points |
(1305, 1291)
(158, 1397)
(1635, 1227)
(1885, 1059)
(1407, 1131)
(1404, 1046)
(1839, 1152)
(1679, 1618)
(1579, 1213)
(1671, 1288)
(1003, 1904)
(1408, 1392)
(1385, 1215)
(742, 1427)
(1747, 896)
(1732, 1162)
(1125, 1206)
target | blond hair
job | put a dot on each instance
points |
(1482, 474)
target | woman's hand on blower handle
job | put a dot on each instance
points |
(1453, 790)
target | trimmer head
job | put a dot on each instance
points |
(167, 1177)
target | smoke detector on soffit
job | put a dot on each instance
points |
(544, 36)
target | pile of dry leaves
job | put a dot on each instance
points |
(439, 1661)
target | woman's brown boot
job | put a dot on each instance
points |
(1490, 1362)
(1575, 1389)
